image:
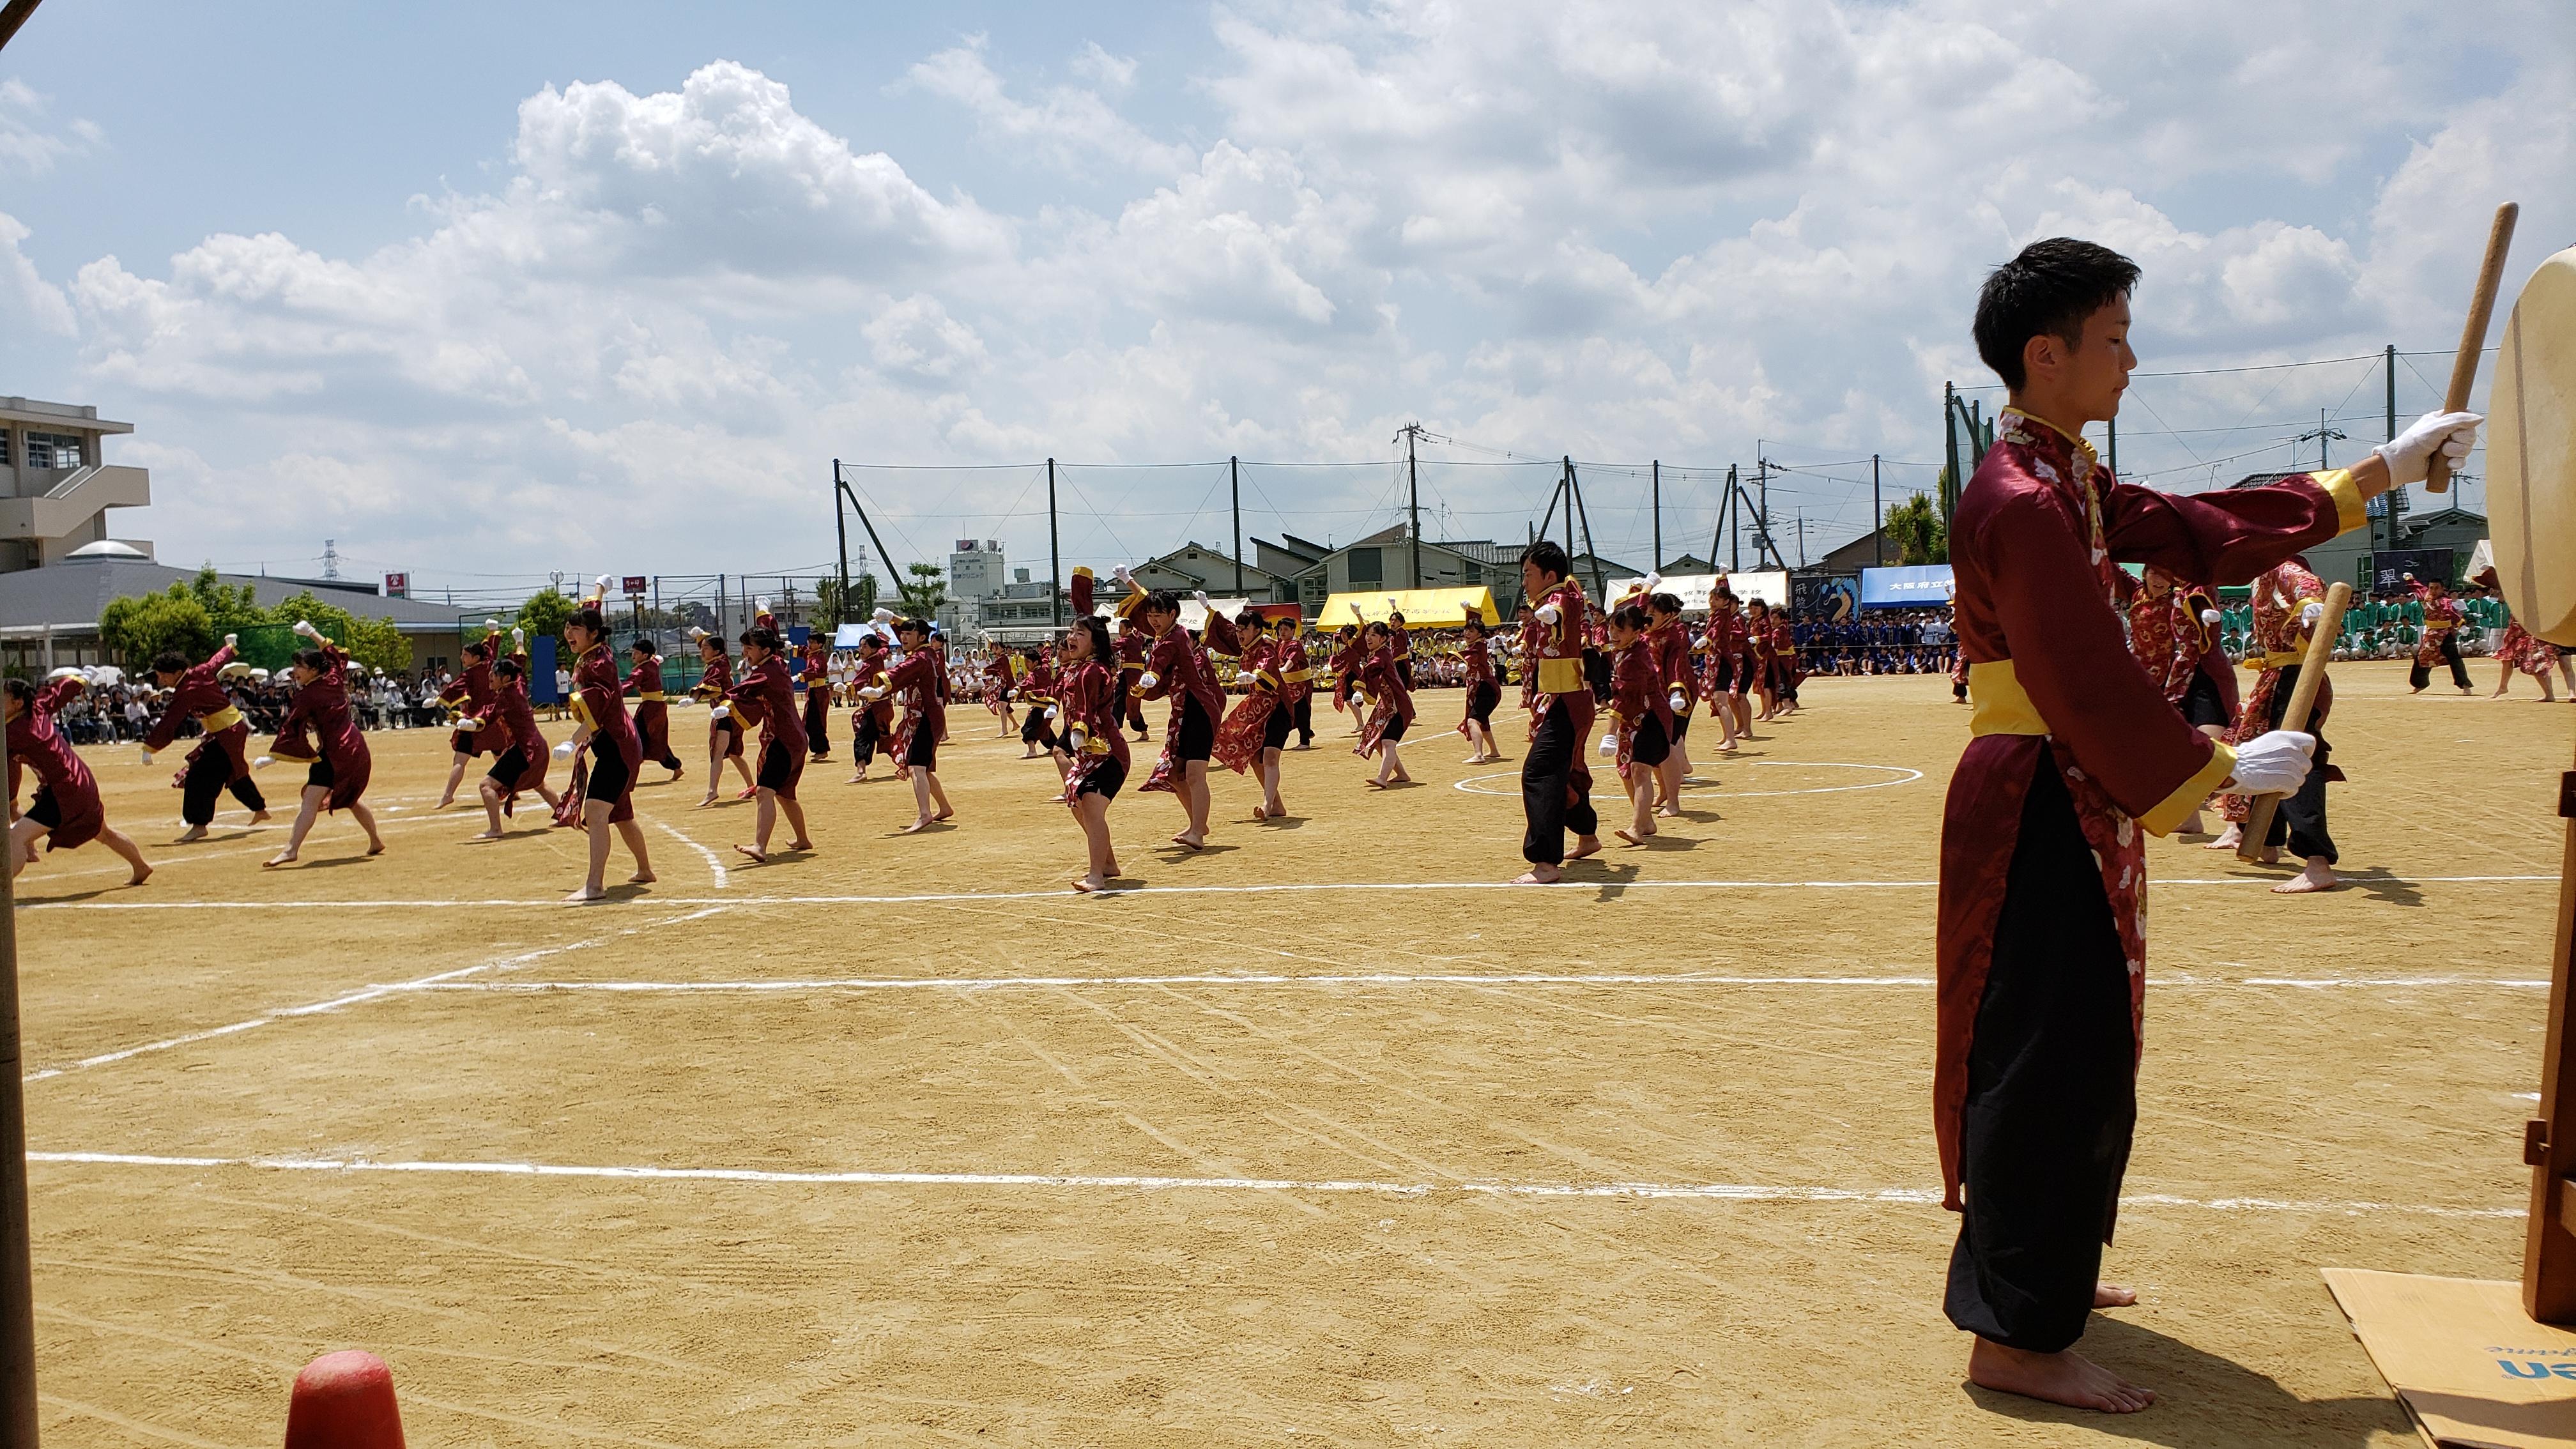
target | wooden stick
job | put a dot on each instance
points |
(18, 1421)
(2303, 699)
(2473, 335)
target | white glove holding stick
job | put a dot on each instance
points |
(2274, 763)
(2209, 616)
(2409, 455)
(147, 754)
(564, 751)
(1610, 745)
(232, 641)
(1548, 613)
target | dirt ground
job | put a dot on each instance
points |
(898, 1143)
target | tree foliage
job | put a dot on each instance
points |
(136, 629)
(923, 591)
(193, 617)
(1919, 532)
(544, 613)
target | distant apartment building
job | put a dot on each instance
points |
(59, 488)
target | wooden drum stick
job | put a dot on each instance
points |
(2303, 699)
(2473, 335)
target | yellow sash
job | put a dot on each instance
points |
(221, 720)
(1562, 676)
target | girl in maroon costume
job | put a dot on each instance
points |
(523, 765)
(605, 791)
(1484, 692)
(1394, 712)
(1091, 713)
(724, 733)
(66, 809)
(916, 681)
(768, 687)
(340, 765)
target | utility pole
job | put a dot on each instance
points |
(1413, 482)
(1802, 538)
(1735, 523)
(1565, 483)
(2112, 452)
(1762, 507)
(1657, 495)
(1055, 553)
(841, 532)
(2388, 504)
(1574, 488)
(2321, 433)
(851, 494)
(1877, 516)
(1234, 480)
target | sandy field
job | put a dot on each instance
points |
(1321, 1135)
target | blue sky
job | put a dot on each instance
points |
(485, 292)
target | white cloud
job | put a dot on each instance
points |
(1066, 126)
(31, 143)
(26, 298)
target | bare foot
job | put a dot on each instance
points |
(141, 874)
(945, 815)
(191, 835)
(915, 828)
(1260, 812)
(2111, 1295)
(585, 896)
(483, 835)
(2318, 876)
(642, 877)
(2268, 855)
(1583, 846)
(1628, 836)
(2228, 839)
(1669, 812)
(2066, 1378)
(756, 855)
(1194, 842)
(1088, 884)
(375, 847)
(283, 857)
(749, 792)
(710, 800)
(2194, 825)
(1539, 875)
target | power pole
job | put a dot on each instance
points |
(1413, 482)
(2388, 505)
(1234, 479)
(1802, 538)
(1877, 517)
(17, 1257)
(841, 533)
(1762, 508)
(1735, 523)
(1055, 553)
(2112, 451)
(1657, 495)
(1574, 489)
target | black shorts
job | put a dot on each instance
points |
(609, 778)
(1481, 701)
(45, 810)
(1681, 725)
(2201, 704)
(776, 766)
(1648, 746)
(923, 752)
(322, 774)
(1281, 723)
(1103, 779)
(1394, 732)
(507, 767)
(1196, 738)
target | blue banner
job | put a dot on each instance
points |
(1917, 586)
(541, 671)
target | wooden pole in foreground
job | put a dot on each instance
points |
(2473, 337)
(2549, 1243)
(17, 1264)
(2303, 700)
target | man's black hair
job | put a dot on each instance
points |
(765, 638)
(1549, 556)
(2051, 287)
(591, 619)
(642, 646)
(170, 661)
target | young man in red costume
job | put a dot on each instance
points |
(2074, 753)
(221, 760)
(1556, 784)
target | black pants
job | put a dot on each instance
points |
(2449, 643)
(1035, 730)
(818, 710)
(1306, 719)
(2300, 822)
(210, 771)
(863, 739)
(2052, 1094)
(1548, 796)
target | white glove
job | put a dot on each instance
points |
(601, 584)
(305, 628)
(1548, 613)
(147, 754)
(1053, 714)
(721, 711)
(2209, 616)
(232, 641)
(883, 615)
(764, 603)
(2409, 455)
(469, 725)
(492, 623)
(1148, 679)
(262, 763)
(871, 694)
(518, 635)
(1654, 582)
(1120, 574)
(564, 751)
(1077, 738)
(2309, 616)
(1609, 746)
(1678, 700)
(2275, 763)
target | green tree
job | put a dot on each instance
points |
(924, 591)
(863, 596)
(375, 643)
(137, 628)
(544, 613)
(1919, 532)
(229, 607)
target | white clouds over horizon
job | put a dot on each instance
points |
(1612, 230)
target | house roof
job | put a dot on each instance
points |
(1306, 549)
(68, 597)
(1482, 550)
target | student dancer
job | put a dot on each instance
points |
(473, 688)
(2172, 631)
(1256, 729)
(1727, 672)
(1484, 691)
(817, 660)
(340, 764)
(521, 767)
(1788, 665)
(1382, 676)
(1036, 691)
(220, 761)
(724, 732)
(2073, 750)
(65, 813)
(1670, 644)
(767, 693)
(2288, 604)
(1556, 784)
(1175, 670)
(1296, 676)
(1400, 644)
(652, 705)
(1091, 712)
(2519, 650)
(1641, 718)
(872, 720)
(2441, 643)
(1344, 662)
(1131, 665)
(916, 682)
(602, 795)
(1001, 683)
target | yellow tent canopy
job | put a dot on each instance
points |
(1421, 608)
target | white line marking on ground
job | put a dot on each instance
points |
(713, 862)
(1197, 890)
(1468, 980)
(2321, 982)
(1471, 784)
(1710, 1191)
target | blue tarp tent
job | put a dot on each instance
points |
(1917, 586)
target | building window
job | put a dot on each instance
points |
(4, 449)
(53, 450)
(1367, 566)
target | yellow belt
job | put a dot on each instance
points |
(1298, 676)
(221, 720)
(2277, 659)
(1562, 676)
(2441, 623)
(2003, 707)
(581, 712)
(649, 696)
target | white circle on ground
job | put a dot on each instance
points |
(1896, 775)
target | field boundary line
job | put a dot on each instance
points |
(1466, 980)
(1709, 1191)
